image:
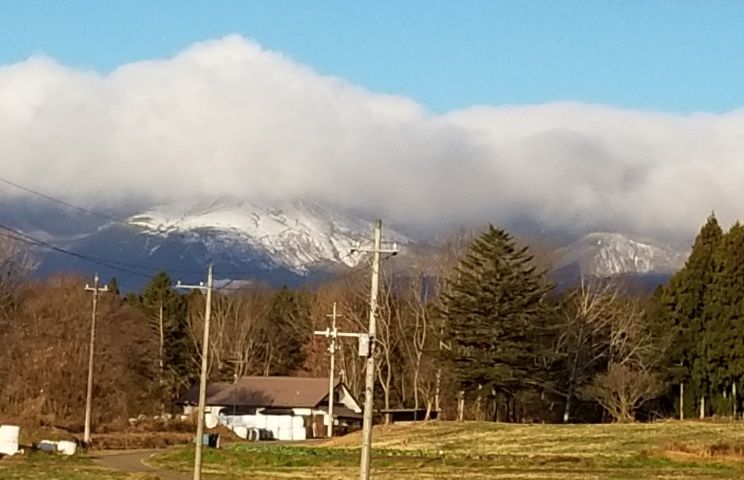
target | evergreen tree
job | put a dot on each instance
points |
(166, 310)
(113, 286)
(721, 349)
(679, 307)
(494, 311)
(289, 331)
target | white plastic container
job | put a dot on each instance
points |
(9, 435)
(211, 421)
(67, 448)
(299, 433)
(298, 429)
(242, 432)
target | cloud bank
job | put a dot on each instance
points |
(228, 118)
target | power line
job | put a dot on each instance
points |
(56, 200)
(17, 235)
(22, 237)
(113, 264)
(119, 221)
(126, 267)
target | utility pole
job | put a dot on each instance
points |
(204, 365)
(369, 390)
(438, 377)
(333, 334)
(96, 289)
(331, 373)
(733, 394)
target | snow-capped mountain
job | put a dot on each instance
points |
(603, 254)
(296, 235)
(278, 243)
(287, 243)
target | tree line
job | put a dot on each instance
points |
(702, 307)
(475, 330)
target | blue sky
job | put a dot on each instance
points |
(679, 56)
(604, 159)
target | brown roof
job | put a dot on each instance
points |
(274, 392)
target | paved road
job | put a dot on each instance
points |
(136, 461)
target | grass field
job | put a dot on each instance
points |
(49, 467)
(500, 451)
(669, 450)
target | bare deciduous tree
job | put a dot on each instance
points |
(419, 337)
(623, 389)
(586, 318)
(605, 336)
(16, 263)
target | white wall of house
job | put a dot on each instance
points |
(282, 427)
(343, 396)
(189, 409)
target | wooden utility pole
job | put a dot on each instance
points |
(204, 370)
(460, 406)
(369, 390)
(331, 383)
(332, 372)
(733, 395)
(161, 332)
(96, 289)
(438, 385)
(702, 407)
(333, 334)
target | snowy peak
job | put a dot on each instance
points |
(297, 235)
(605, 254)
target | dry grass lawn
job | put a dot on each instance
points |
(444, 450)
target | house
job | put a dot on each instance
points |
(281, 408)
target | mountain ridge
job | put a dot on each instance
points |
(296, 234)
(294, 242)
(607, 254)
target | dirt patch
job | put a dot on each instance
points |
(139, 440)
(136, 465)
(722, 450)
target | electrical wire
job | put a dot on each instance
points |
(27, 239)
(58, 201)
(17, 235)
(126, 267)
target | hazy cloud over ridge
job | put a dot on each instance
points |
(226, 117)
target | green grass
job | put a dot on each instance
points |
(444, 450)
(484, 450)
(53, 467)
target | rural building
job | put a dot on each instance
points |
(280, 408)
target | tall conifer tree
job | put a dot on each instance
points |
(494, 312)
(679, 307)
(721, 349)
(157, 297)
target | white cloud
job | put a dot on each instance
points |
(228, 118)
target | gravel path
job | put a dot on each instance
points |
(136, 461)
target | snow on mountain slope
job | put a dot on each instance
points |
(297, 235)
(604, 254)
